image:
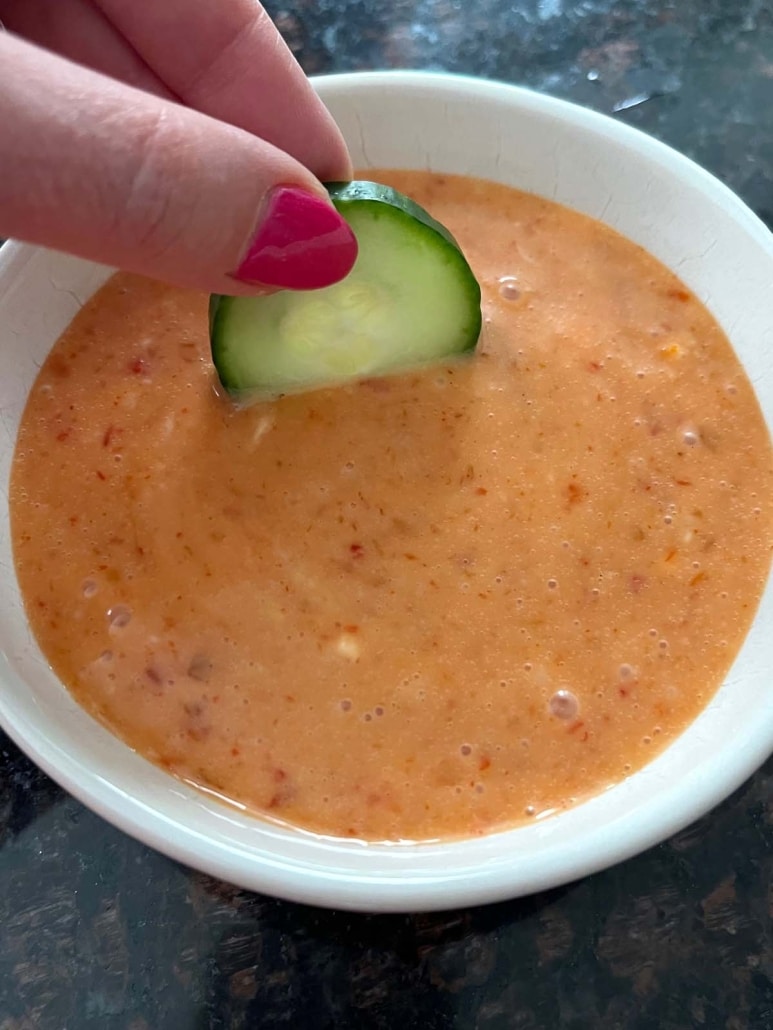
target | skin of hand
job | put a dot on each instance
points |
(178, 139)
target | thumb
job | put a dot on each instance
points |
(107, 172)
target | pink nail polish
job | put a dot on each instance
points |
(302, 243)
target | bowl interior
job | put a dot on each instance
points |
(649, 193)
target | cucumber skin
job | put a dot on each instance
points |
(342, 194)
(214, 304)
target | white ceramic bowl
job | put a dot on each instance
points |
(651, 194)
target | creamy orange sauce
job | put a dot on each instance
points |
(422, 607)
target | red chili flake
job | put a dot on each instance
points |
(59, 367)
(595, 366)
(683, 482)
(575, 726)
(574, 493)
(108, 436)
(481, 491)
(671, 554)
(138, 367)
(410, 557)
(284, 791)
(622, 691)
(676, 294)
(484, 763)
(155, 681)
(356, 550)
(62, 436)
(101, 475)
(637, 582)
(235, 752)
(698, 578)
(351, 629)
(198, 726)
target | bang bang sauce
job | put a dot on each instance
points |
(427, 606)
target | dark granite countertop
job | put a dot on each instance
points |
(96, 931)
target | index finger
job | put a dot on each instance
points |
(228, 60)
(77, 30)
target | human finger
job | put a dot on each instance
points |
(111, 173)
(78, 30)
(228, 60)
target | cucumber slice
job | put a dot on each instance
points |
(411, 299)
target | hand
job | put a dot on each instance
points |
(176, 138)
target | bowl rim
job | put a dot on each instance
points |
(399, 888)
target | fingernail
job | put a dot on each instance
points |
(302, 243)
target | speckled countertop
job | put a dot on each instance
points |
(96, 931)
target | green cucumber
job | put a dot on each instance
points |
(410, 300)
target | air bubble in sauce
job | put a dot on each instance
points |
(119, 616)
(508, 288)
(564, 705)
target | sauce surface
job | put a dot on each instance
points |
(420, 607)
